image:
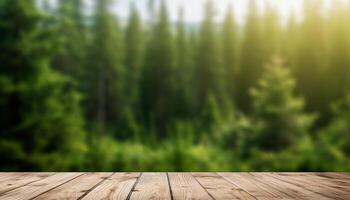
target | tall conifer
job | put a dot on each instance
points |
(103, 81)
(251, 57)
(71, 39)
(158, 86)
(209, 72)
(230, 45)
(279, 115)
(41, 125)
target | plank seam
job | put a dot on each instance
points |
(171, 191)
(228, 180)
(56, 187)
(3, 193)
(211, 196)
(133, 187)
(95, 186)
(300, 186)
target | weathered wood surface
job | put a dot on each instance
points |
(174, 186)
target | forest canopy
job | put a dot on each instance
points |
(90, 91)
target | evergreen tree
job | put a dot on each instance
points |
(39, 112)
(271, 33)
(151, 9)
(209, 72)
(71, 39)
(158, 86)
(251, 57)
(338, 71)
(103, 84)
(289, 40)
(278, 113)
(336, 137)
(230, 50)
(184, 66)
(311, 57)
(133, 56)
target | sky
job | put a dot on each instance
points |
(194, 8)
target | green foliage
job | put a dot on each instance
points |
(158, 86)
(209, 72)
(133, 56)
(311, 57)
(42, 128)
(70, 39)
(277, 112)
(251, 57)
(230, 43)
(104, 78)
(184, 68)
(87, 93)
(334, 143)
(338, 70)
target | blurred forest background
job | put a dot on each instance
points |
(90, 92)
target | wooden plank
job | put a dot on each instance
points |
(19, 180)
(295, 192)
(185, 186)
(321, 185)
(338, 183)
(254, 188)
(37, 188)
(6, 176)
(203, 174)
(220, 188)
(303, 186)
(75, 188)
(338, 176)
(118, 186)
(311, 185)
(151, 186)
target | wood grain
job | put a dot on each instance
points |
(177, 186)
(37, 188)
(116, 187)
(254, 188)
(152, 186)
(19, 180)
(75, 188)
(295, 192)
(312, 185)
(185, 186)
(219, 188)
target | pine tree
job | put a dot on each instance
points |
(338, 71)
(71, 39)
(158, 86)
(182, 48)
(230, 51)
(133, 61)
(289, 39)
(311, 57)
(278, 113)
(103, 80)
(251, 58)
(133, 56)
(209, 72)
(39, 112)
(151, 9)
(184, 67)
(335, 136)
(271, 33)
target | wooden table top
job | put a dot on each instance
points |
(94, 186)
